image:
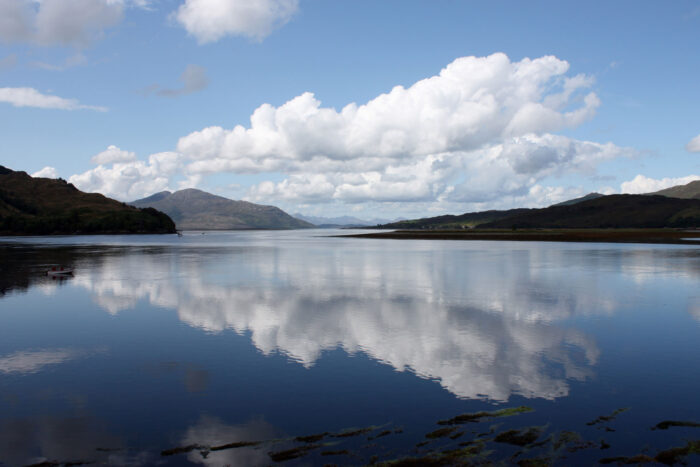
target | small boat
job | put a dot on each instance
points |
(59, 271)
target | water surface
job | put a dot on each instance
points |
(160, 342)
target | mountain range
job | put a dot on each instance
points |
(677, 206)
(341, 221)
(45, 206)
(193, 209)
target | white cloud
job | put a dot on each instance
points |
(211, 20)
(643, 184)
(113, 154)
(693, 145)
(481, 134)
(480, 130)
(46, 172)
(128, 179)
(30, 97)
(193, 79)
(60, 22)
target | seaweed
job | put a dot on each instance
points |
(675, 455)
(441, 433)
(312, 438)
(342, 452)
(237, 444)
(351, 433)
(477, 416)
(294, 453)
(180, 449)
(666, 424)
(621, 460)
(519, 437)
(535, 462)
(670, 456)
(607, 418)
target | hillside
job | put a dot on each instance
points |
(467, 220)
(614, 211)
(579, 200)
(44, 206)
(688, 191)
(193, 209)
(341, 221)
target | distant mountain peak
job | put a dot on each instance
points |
(194, 209)
(688, 191)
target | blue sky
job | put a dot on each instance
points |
(502, 103)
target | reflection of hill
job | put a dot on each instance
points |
(22, 267)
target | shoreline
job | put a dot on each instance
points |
(654, 236)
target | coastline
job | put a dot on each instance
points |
(659, 236)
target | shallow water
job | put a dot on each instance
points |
(160, 342)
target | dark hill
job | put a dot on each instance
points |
(470, 219)
(193, 209)
(44, 206)
(688, 191)
(614, 211)
(579, 200)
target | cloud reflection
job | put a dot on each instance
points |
(210, 431)
(487, 328)
(32, 361)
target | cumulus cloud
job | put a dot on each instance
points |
(120, 175)
(193, 79)
(643, 184)
(693, 145)
(211, 20)
(46, 172)
(30, 97)
(479, 134)
(60, 22)
(482, 128)
(113, 154)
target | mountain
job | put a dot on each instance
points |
(467, 220)
(193, 209)
(578, 200)
(688, 191)
(613, 211)
(44, 206)
(344, 221)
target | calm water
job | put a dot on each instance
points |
(160, 342)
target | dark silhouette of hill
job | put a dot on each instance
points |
(44, 206)
(579, 200)
(470, 219)
(688, 191)
(193, 209)
(613, 211)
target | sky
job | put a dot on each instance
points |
(393, 108)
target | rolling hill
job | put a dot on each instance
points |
(688, 191)
(613, 211)
(44, 206)
(193, 209)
